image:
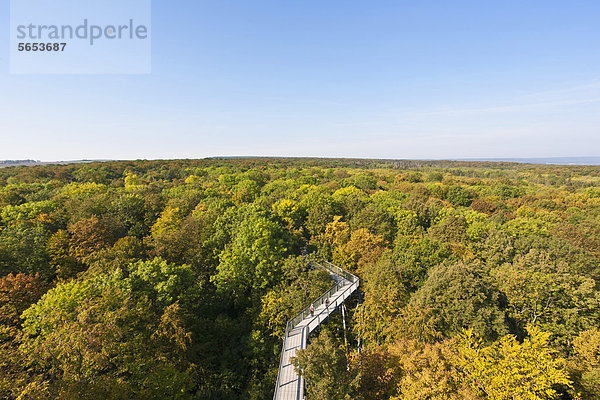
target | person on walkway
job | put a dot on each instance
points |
(327, 303)
(312, 310)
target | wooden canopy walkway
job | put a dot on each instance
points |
(289, 385)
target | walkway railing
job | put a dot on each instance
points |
(342, 278)
(339, 283)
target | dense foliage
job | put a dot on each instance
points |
(174, 279)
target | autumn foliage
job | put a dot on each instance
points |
(175, 279)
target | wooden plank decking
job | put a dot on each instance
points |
(289, 385)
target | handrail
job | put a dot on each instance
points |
(295, 320)
(321, 299)
(305, 333)
(331, 305)
(281, 359)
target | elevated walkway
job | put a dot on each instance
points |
(289, 385)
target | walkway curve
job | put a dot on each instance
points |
(289, 385)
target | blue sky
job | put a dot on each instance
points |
(381, 79)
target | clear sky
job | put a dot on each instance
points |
(381, 79)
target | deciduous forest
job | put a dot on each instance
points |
(175, 279)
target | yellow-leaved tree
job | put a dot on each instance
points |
(510, 370)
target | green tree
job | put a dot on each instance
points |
(26, 212)
(127, 250)
(362, 248)
(323, 365)
(246, 191)
(414, 257)
(376, 220)
(383, 297)
(23, 249)
(459, 196)
(130, 210)
(117, 335)
(251, 262)
(544, 292)
(320, 209)
(373, 374)
(62, 255)
(300, 285)
(462, 296)
(191, 243)
(290, 212)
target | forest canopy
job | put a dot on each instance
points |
(175, 279)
